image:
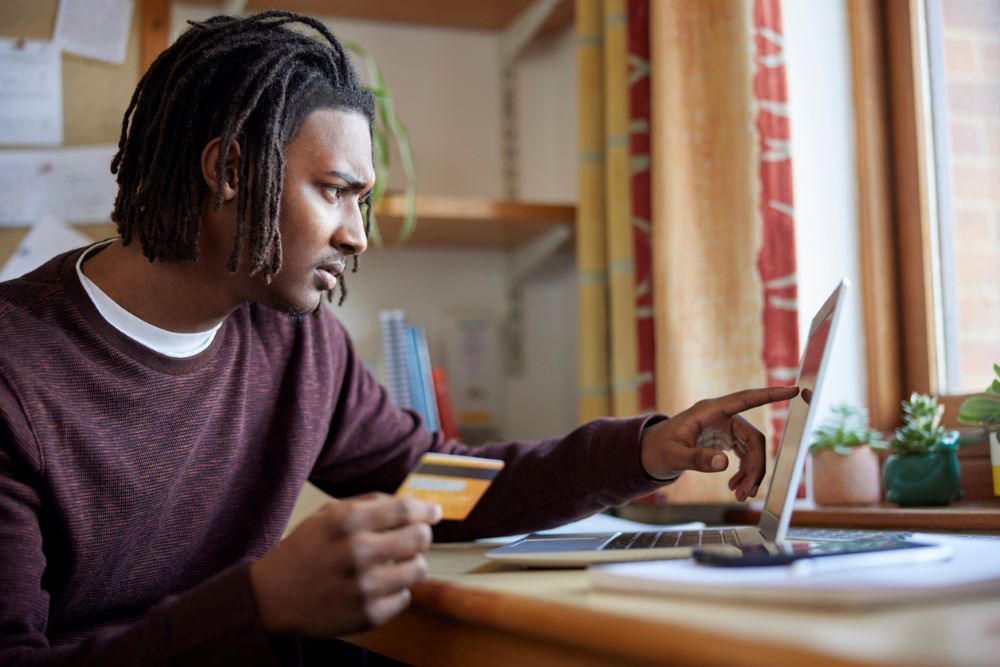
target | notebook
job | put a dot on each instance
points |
(973, 570)
(578, 550)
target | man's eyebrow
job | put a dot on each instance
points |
(353, 182)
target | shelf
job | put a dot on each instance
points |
(463, 222)
(491, 15)
(446, 222)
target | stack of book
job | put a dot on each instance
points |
(412, 382)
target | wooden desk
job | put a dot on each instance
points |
(471, 612)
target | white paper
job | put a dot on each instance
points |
(974, 568)
(473, 362)
(46, 239)
(71, 184)
(94, 28)
(30, 93)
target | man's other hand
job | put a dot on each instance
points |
(672, 446)
(346, 568)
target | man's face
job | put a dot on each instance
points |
(328, 171)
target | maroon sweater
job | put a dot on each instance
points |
(135, 488)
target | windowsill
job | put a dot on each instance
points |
(970, 515)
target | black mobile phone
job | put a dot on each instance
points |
(867, 551)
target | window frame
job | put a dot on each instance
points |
(895, 214)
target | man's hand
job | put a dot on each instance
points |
(346, 568)
(672, 446)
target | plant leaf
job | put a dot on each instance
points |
(980, 410)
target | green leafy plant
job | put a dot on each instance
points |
(388, 128)
(846, 429)
(921, 432)
(983, 410)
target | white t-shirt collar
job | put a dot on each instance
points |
(169, 343)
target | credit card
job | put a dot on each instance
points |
(456, 483)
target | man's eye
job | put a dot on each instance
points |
(335, 189)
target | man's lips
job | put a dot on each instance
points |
(336, 268)
(328, 273)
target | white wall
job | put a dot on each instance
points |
(446, 86)
(543, 399)
(546, 117)
(817, 49)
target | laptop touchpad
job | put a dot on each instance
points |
(558, 543)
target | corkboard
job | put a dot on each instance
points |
(95, 94)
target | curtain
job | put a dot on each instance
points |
(723, 232)
(591, 235)
(686, 246)
(613, 241)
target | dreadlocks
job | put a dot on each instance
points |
(251, 82)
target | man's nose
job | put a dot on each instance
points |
(350, 237)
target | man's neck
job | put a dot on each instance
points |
(177, 296)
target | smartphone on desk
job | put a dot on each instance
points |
(822, 556)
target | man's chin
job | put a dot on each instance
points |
(300, 310)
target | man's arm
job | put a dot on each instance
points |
(372, 445)
(213, 623)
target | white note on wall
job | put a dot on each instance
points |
(94, 28)
(474, 371)
(71, 184)
(48, 238)
(30, 93)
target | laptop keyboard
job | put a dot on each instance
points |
(845, 534)
(672, 538)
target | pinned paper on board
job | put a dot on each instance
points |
(30, 93)
(48, 238)
(70, 184)
(94, 28)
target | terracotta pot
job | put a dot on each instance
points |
(846, 480)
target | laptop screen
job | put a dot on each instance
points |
(791, 453)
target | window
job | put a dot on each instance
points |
(928, 193)
(963, 82)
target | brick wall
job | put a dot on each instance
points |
(971, 34)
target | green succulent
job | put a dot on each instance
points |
(983, 410)
(846, 429)
(921, 432)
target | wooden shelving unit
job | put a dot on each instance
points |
(459, 222)
(442, 222)
(471, 222)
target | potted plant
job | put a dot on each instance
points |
(923, 469)
(845, 465)
(984, 411)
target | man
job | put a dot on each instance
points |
(164, 396)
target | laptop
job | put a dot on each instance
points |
(581, 549)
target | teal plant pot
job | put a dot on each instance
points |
(923, 479)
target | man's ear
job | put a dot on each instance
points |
(209, 158)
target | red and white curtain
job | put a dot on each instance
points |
(686, 245)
